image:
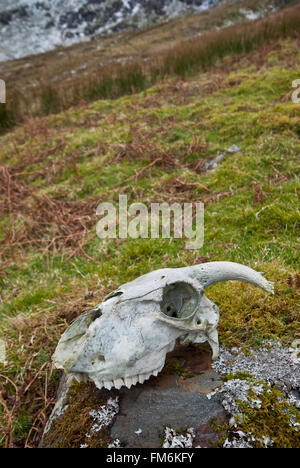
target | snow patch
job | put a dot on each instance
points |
(29, 27)
(251, 15)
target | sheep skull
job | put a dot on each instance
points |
(125, 339)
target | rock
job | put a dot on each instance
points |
(234, 149)
(5, 18)
(204, 383)
(70, 21)
(212, 164)
(162, 402)
(177, 399)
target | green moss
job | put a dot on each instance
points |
(173, 368)
(237, 375)
(263, 317)
(22, 424)
(275, 419)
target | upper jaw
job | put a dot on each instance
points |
(118, 382)
(113, 374)
(129, 381)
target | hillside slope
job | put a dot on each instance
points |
(78, 62)
(152, 146)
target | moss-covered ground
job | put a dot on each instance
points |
(152, 147)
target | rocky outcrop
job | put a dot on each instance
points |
(174, 402)
(39, 25)
(34, 26)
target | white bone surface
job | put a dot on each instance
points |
(125, 339)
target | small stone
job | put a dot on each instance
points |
(234, 149)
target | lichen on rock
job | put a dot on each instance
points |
(261, 397)
(174, 440)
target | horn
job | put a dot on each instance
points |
(214, 272)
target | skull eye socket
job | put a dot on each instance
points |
(179, 301)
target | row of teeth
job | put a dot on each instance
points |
(128, 381)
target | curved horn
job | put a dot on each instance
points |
(214, 272)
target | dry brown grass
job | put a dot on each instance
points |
(33, 389)
(49, 224)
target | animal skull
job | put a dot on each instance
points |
(125, 339)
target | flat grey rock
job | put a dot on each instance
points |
(168, 401)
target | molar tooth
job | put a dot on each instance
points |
(147, 376)
(108, 384)
(118, 383)
(135, 379)
(142, 378)
(155, 372)
(128, 382)
(99, 384)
